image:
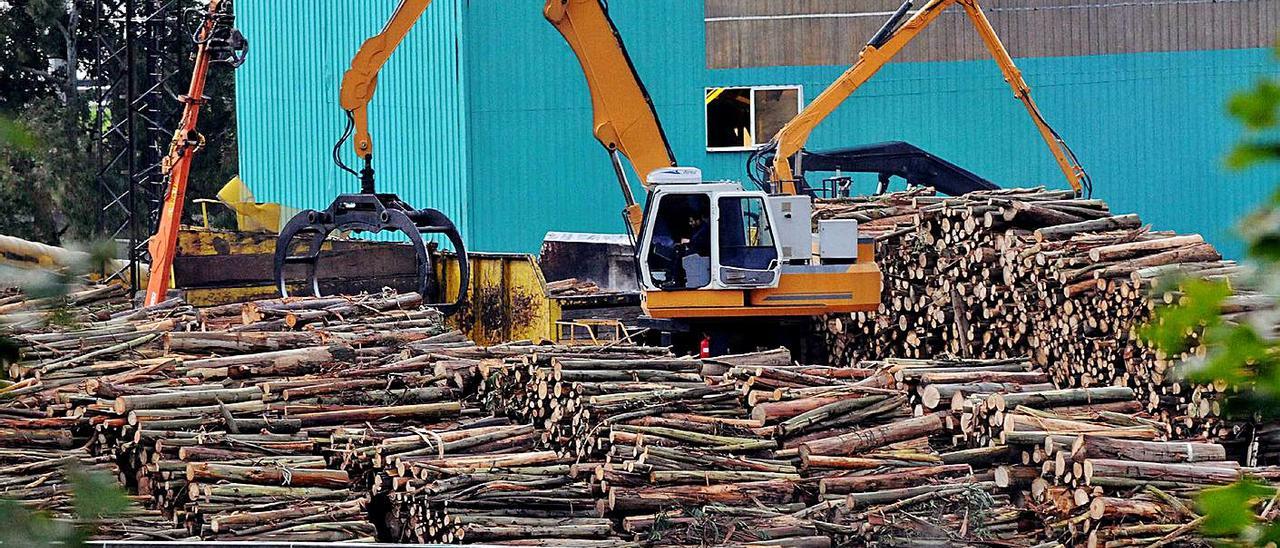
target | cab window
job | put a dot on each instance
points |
(746, 239)
(680, 248)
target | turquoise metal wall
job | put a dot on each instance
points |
(1150, 127)
(289, 119)
(533, 156)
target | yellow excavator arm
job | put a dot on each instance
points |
(361, 79)
(369, 210)
(624, 118)
(887, 43)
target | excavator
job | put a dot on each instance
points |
(370, 211)
(771, 165)
(217, 43)
(711, 256)
(709, 253)
(713, 253)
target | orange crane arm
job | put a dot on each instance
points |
(361, 79)
(177, 165)
(624, 118)
(793, 136)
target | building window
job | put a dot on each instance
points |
(747, 117)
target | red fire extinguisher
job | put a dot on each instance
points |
(704, 348)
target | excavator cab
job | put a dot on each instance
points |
(709, 251)
(706, 235)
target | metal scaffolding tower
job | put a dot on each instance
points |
(138, 48)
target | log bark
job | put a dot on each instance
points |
(879, 436)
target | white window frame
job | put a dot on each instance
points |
(706, 121)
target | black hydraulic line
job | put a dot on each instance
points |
(346, 134)
(891, 26)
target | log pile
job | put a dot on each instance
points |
(573, 396)
(1101, 490)
(877, 464)
(99, 306)
(946, 288)
(844, 445)
(37, 477)
(1030, 272)
(232, 433)
(1000, 397)
(572, 287)
(500, 490)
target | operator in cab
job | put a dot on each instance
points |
(695, 252)
(699, 240)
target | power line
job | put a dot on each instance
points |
(1063, 7)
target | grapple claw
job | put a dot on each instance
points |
(373, 213)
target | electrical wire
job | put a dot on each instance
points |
(877, 14)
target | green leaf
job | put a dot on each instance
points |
(1235, 351)
(1270, 535)
(1228, 510)
(22, 527)
(15, 135)
(1247, 154)
(1200, 308)
(1257, 108)
(96, 495)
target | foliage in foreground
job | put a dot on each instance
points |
(94, 496)
(1242, 354)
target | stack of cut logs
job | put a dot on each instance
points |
(1032, 272)
(234, 433)
(572, 395)
(367, 417)
(572, 287)
(102, 306)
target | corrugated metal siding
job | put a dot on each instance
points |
(832, 32)
(1150, 127)
(532, 147)
(289, 116)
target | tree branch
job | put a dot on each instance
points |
(37, 72)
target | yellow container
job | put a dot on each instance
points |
(507, 300)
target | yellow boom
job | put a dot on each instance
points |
(361, 79)
(624, 119)
(793, 136)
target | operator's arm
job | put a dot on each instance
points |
(362, 77)
(624, 118)
(793, 136)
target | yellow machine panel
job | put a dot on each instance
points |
(855, 288)
(507, 299)
(673, 304)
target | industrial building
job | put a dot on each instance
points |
(1051, 339)
(488, 118)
